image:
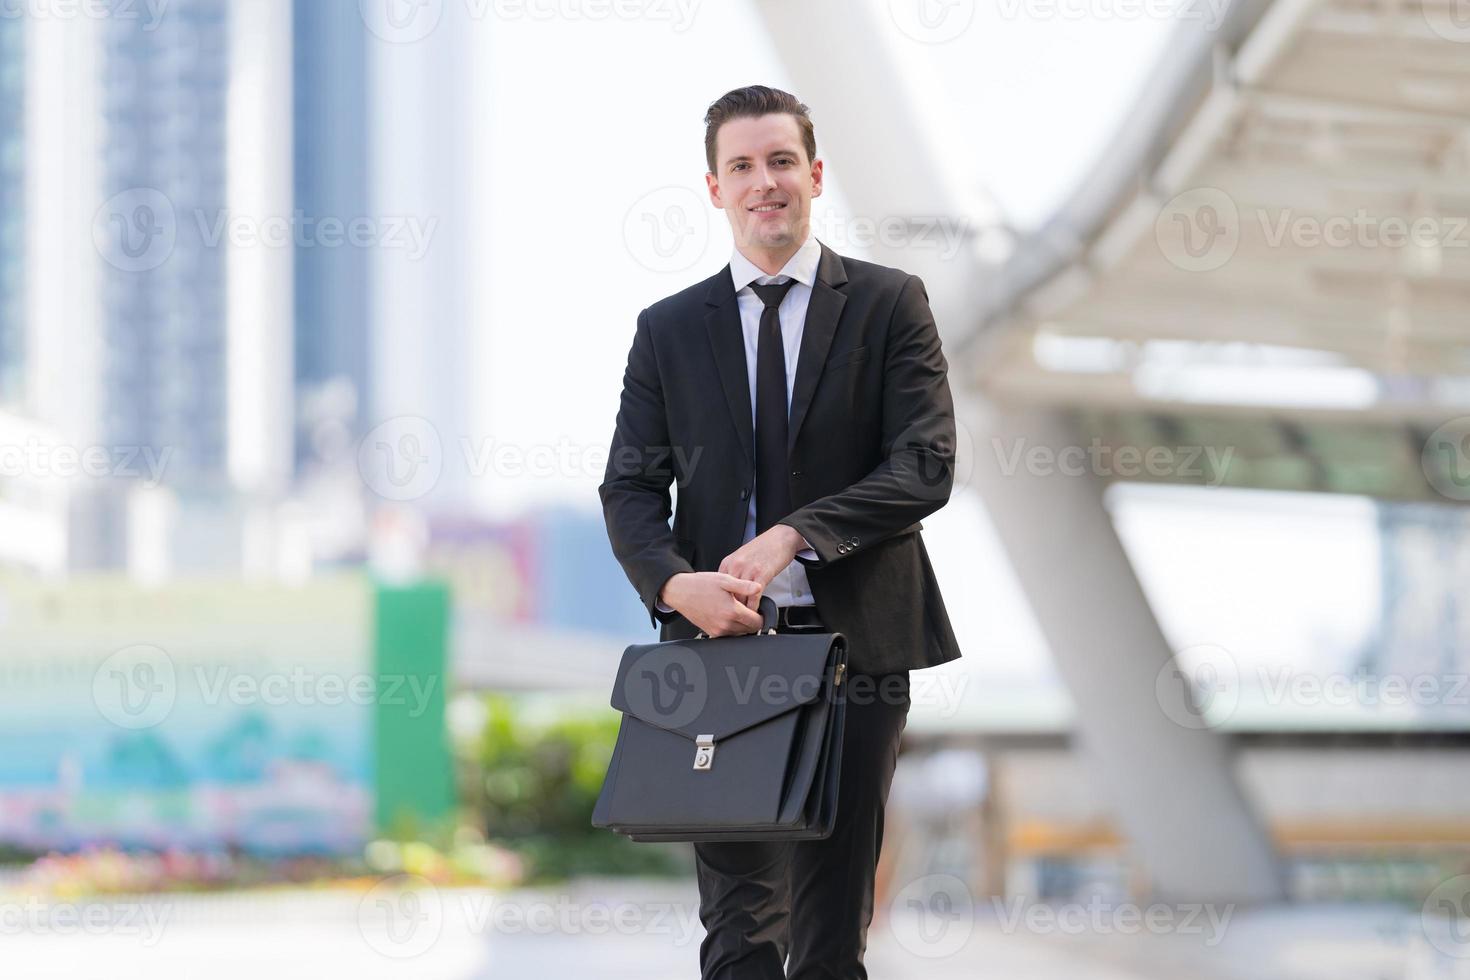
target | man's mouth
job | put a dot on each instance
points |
(767, 208)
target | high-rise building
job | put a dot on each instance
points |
(164, 102)
(191, 241)
(330, 182)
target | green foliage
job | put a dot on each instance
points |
(534, 785)
(437, 832)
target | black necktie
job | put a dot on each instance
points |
(772, 491)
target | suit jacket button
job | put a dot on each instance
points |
(854, 542)
(745, 493)
(796, 474)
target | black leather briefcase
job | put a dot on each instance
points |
(728, 738)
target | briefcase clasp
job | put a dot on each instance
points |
(704, 752)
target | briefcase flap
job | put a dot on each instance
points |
(725, 685)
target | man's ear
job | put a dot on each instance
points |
(817, 177)
(713, 183)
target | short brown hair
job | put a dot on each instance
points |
(751, 102)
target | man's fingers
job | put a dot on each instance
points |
(747, 617)
(741, 586)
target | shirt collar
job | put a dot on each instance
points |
(802, 266)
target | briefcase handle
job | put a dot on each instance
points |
(768, 619)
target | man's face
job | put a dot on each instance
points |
(763, 181)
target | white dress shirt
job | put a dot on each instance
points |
(790, 586)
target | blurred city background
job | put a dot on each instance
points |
(313, 317)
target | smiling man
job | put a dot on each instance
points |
(800, 400)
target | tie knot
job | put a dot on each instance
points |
(772, 295)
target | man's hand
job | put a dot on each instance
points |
(717, 603)
(762, 557)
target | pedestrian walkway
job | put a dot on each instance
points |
(640, 930)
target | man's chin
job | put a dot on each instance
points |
(759, 237)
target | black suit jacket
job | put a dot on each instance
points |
(871, 449)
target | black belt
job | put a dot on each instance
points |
(797, 616)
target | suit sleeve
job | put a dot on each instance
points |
(635, 488)
(917, 472)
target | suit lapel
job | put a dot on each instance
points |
(822, 313)
(727, 343)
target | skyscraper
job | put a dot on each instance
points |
(330, 180)
(164, 101)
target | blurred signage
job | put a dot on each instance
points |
(204, 714)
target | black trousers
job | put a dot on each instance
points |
(761, 901)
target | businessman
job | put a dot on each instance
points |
(799, 401)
